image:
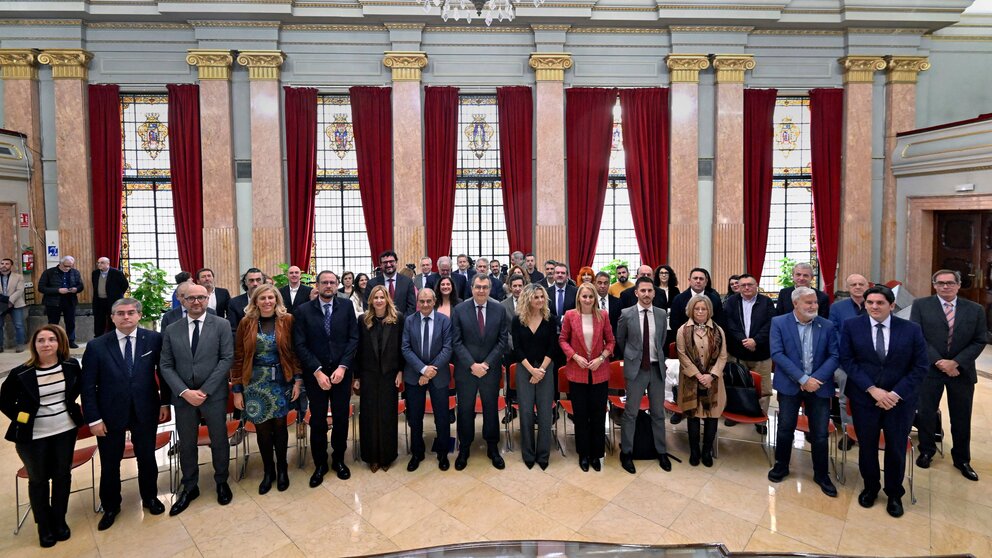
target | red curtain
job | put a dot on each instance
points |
(440, 162)
(106, 170)
(185, 170)
(515, 107)
(301, 163)
(645, 145)
(588, 137)
(826, 142)
(759, 112)
(372, 117)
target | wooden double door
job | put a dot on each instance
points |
(963, 242)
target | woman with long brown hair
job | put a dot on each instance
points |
(702, 348)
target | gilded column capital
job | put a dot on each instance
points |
(67, 63)
(262, 64)
(730, 68)
(550, 66)
(405, 64)
(19, 63)
(861, 69)
(211, 64)
(684, 68)
(905, 69)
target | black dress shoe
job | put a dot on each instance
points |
(183, 500)
(728, 422)
(707, 459)
(826, 486)
(224, 494)
(846, 443)
(511, 414)
(676, 418)
(543, 465)
(154, 506)
(46, 539)
(107, 521)
(596, 464)
(627, 462)
(461, 461)
(665, 463)
(266, 485)
(761, 429)
(282, 481)
(894, 507)
(529, 464)
(344, 473)
(778, 473)
(867, 498)
(318, 476)
(414, 463)
(452, 417)
(62, 533)
(924, 460)
(497, 460)
(967, 471)
(442, 462)
(584, 464)
(73, 345)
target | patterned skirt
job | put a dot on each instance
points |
(266, 398)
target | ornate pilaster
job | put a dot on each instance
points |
(19, 63)
(406, 65)
(683, 242)
(685, 68)
(263, 65)
(861, 69)
(549, 126)
(67, 63)
(730, 68)
(905, 69)
(211, 64)
(550, 66)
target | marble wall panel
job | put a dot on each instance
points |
(267, 176)
(684, 182)
(22, 112)
(900, 115)
(220, 233)
(408, 172)
(728, 198)
(856, 199)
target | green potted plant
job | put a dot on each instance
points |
(785, 266)
(611, 268)
(281, 280)
(152, 291)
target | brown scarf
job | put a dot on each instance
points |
(692, 392)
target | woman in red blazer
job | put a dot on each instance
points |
(587, 341)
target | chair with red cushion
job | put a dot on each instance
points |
(744, 419)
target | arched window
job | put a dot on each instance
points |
(616, 232)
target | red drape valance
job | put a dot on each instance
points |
(301, 163)
(826, 142)
(440, 163)
(372, 116)
(106, 168)
(515, 106)
(759, 113)
(185, 169)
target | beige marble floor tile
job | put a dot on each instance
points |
(191, 552)
(525, 486)
(683, 479)
(965, 514)
(397, 510)
(702, 523)
(764, 540)
(904, 536)
(674, 538)
(256, 536)
(745, 503)
(610, 481)
(527, 524)
(946, 538)
(652, 502)
(309, 513)
(803, 524)
(617, 525)
(569, 505)
(438, 528)
(481, 507)
(363, 487)
(439, 487)
(166, 538)
(348, 536)
(287, 551)
(799, 489)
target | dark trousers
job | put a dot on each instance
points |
(338, 399)
(273, 440)
(486, 388)
(960, 396)
(542, 396)
(112, 451)
(66, 309)
(589, 404)
(213, 412)
(818, 411)
(416, 404)
(896, 423)
(49, 459)
(101, 316)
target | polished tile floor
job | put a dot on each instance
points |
(731, 503)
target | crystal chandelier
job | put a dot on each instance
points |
(490, 10)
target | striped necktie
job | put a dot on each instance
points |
(949, 313)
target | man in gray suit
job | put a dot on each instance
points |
(197, 354)
(955, 330)
(644, 324)
(422, 280)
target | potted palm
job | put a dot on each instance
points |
(152, 291)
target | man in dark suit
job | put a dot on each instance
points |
(840, 312)
(482, 267)
(480, 329)
(699, 283)
(606, 302)
(886, 360)
(109, 286)
(444, 270)
(400, 286)
(802, 276)
(530, 265)
(749, 321)
(422, 280)
(197, 354)
(561, 295)
(219, 297)
(295, 293)
(955, 330)
(427, 350)
(120, 392)
(467, 271)
(804, 348)
(628, 297)
(326, 338)
(61, 285)
(496, 271)
(177, 314)
(236, 307)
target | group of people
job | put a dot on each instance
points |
(270, 351)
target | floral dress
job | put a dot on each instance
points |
(268, 394)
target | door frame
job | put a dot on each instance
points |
(920, 230)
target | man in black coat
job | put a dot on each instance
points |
(400, 287)
(561, 295)
(295, 294)
(109, 286)
(802, 276)
(61, 285)
(699, 283)
(236, 307)
(444, 270)
(179, 313)
(606, 302)
(749, 322)
(219, 297)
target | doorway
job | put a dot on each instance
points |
(963, 242)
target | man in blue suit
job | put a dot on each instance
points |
(427, 349)
(804, 349)
(886, 360)
(120, 392)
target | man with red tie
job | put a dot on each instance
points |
(400, 287)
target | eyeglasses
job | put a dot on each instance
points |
(945, 283)
(197, 298)
(387, 261)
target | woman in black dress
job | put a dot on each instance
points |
(535, 340)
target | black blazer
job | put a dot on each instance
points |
(677, 316)
(761, 327)
(19, 394)
(223, 299)
(314, 347)
(175, 315)
(51, 282)
(784, 304)
(302, 297)
(970, 332)
(236, 310)
(569, 300)
(109, 394)
(383, 358)
(406, 294)
(460, 284)
(628, 298)
(904, 366)
(117, 284)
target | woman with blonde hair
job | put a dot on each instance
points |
(266, 378)
(378, 376)
(702, 350)
(535, 342)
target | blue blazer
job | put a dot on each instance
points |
(314, 347)
(841, 311)
(413, 348)
(109, 394)
(787, 353)
(902, 371)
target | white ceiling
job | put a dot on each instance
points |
(980, 7)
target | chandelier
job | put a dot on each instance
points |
(490, 10)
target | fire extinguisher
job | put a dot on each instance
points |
(27, 261)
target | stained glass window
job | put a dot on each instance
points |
(341, 241)
(616, 232)
(479, 227)
(790, 226)
(148, 228)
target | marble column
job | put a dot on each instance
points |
(900, 116)
(683, 251)
(855, 253)
(550, 238)
(22, 113)
(728, 194)
(220, 232)
(409, 233)
(72, 150)
(268, 205)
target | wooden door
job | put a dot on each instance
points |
(963, 242)
(9, 247)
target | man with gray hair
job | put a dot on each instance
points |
(802, 276)
(60, 286)
(444, 270)
(109, 285)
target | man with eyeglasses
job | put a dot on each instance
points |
(955, 330)
(179, 313)
(399, 286)
(749, 323)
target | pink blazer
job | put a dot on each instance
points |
(573, 342)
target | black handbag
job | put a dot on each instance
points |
(742, 398)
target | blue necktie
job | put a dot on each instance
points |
(880, 342)
(427, 338)
(128, 355)
(561, 302)
(327, 319)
